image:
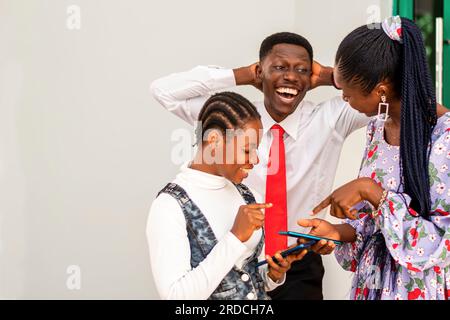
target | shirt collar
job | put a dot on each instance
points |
(290, 124)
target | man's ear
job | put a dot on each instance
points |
(258, 71)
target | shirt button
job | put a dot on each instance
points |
(245, 277)
(251, 296)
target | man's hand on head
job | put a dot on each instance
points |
(248, 76)
(321, 75)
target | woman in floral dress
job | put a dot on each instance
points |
(397, 227)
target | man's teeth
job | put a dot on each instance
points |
(288, 91)
(245, 170)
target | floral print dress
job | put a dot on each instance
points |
(398, 254)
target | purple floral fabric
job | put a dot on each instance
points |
(415, 263)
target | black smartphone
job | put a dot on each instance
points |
(287, 252)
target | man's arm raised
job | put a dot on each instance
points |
(184, 93)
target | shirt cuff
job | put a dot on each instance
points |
(394, 202)
(270, 284)
(220, 78)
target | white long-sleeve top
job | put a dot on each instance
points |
(168, 242)
(313, 141)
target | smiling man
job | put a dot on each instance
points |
(302, 138)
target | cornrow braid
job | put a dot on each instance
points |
(368, 56)
(225, 110)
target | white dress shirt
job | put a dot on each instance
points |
(313, 140)
(170, 254)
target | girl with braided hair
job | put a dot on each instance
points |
(397, 227)
(204, 229)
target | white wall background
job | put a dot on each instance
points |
(83, 146)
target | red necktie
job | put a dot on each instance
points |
(276, 216)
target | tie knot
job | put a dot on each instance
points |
(277, 127)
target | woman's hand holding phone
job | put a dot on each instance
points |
(279, 268)
(320, 228)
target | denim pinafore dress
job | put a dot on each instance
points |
(239, 284)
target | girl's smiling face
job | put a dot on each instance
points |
(236, 154)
